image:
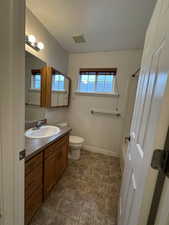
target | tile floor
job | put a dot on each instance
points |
(87, 194)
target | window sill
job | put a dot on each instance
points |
(34, 90)
(64, 91)
(97, 93)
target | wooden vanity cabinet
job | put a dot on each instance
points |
(42, 173)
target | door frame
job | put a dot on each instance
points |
(12, 110)
(156, 198)
(161, 177)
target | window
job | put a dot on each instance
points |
(36, 81)
(58, 82)
(97, 81)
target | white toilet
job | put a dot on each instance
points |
(75, 144)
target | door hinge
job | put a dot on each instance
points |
(127, 139)
(22, 154)
(160, 161)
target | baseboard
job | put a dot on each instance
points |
(95, 149)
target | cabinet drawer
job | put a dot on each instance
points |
(33, 163)
(33, 204)
(33, 181)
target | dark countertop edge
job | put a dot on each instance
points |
(49, 142)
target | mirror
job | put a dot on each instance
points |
(45, 87)
(60, 89)
(33, 76)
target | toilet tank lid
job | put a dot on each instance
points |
(63, 124)
(76, 140)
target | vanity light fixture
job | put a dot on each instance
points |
(40, 45)
(31, 41)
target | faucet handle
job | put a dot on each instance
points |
(39, 123)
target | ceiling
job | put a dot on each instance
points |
(106, 24)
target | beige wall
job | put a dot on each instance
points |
(53, 54)
(102, 133)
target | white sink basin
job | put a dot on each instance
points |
(42, 132)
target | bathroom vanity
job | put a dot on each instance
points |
(46, 160)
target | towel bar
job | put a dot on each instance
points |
(93, 111)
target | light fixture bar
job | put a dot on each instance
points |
(30, 40)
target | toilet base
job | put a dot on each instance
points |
(74, 154)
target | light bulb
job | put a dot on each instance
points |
(40, 45)
(31, 39)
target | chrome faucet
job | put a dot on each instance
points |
(39, 123)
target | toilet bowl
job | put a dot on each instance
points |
(75, 144)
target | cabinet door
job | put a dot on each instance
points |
(56, 158)
(49, 174)
(61, 158)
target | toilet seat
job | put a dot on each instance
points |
(75, 140)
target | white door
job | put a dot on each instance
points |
(150, 100)
(12, 103)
